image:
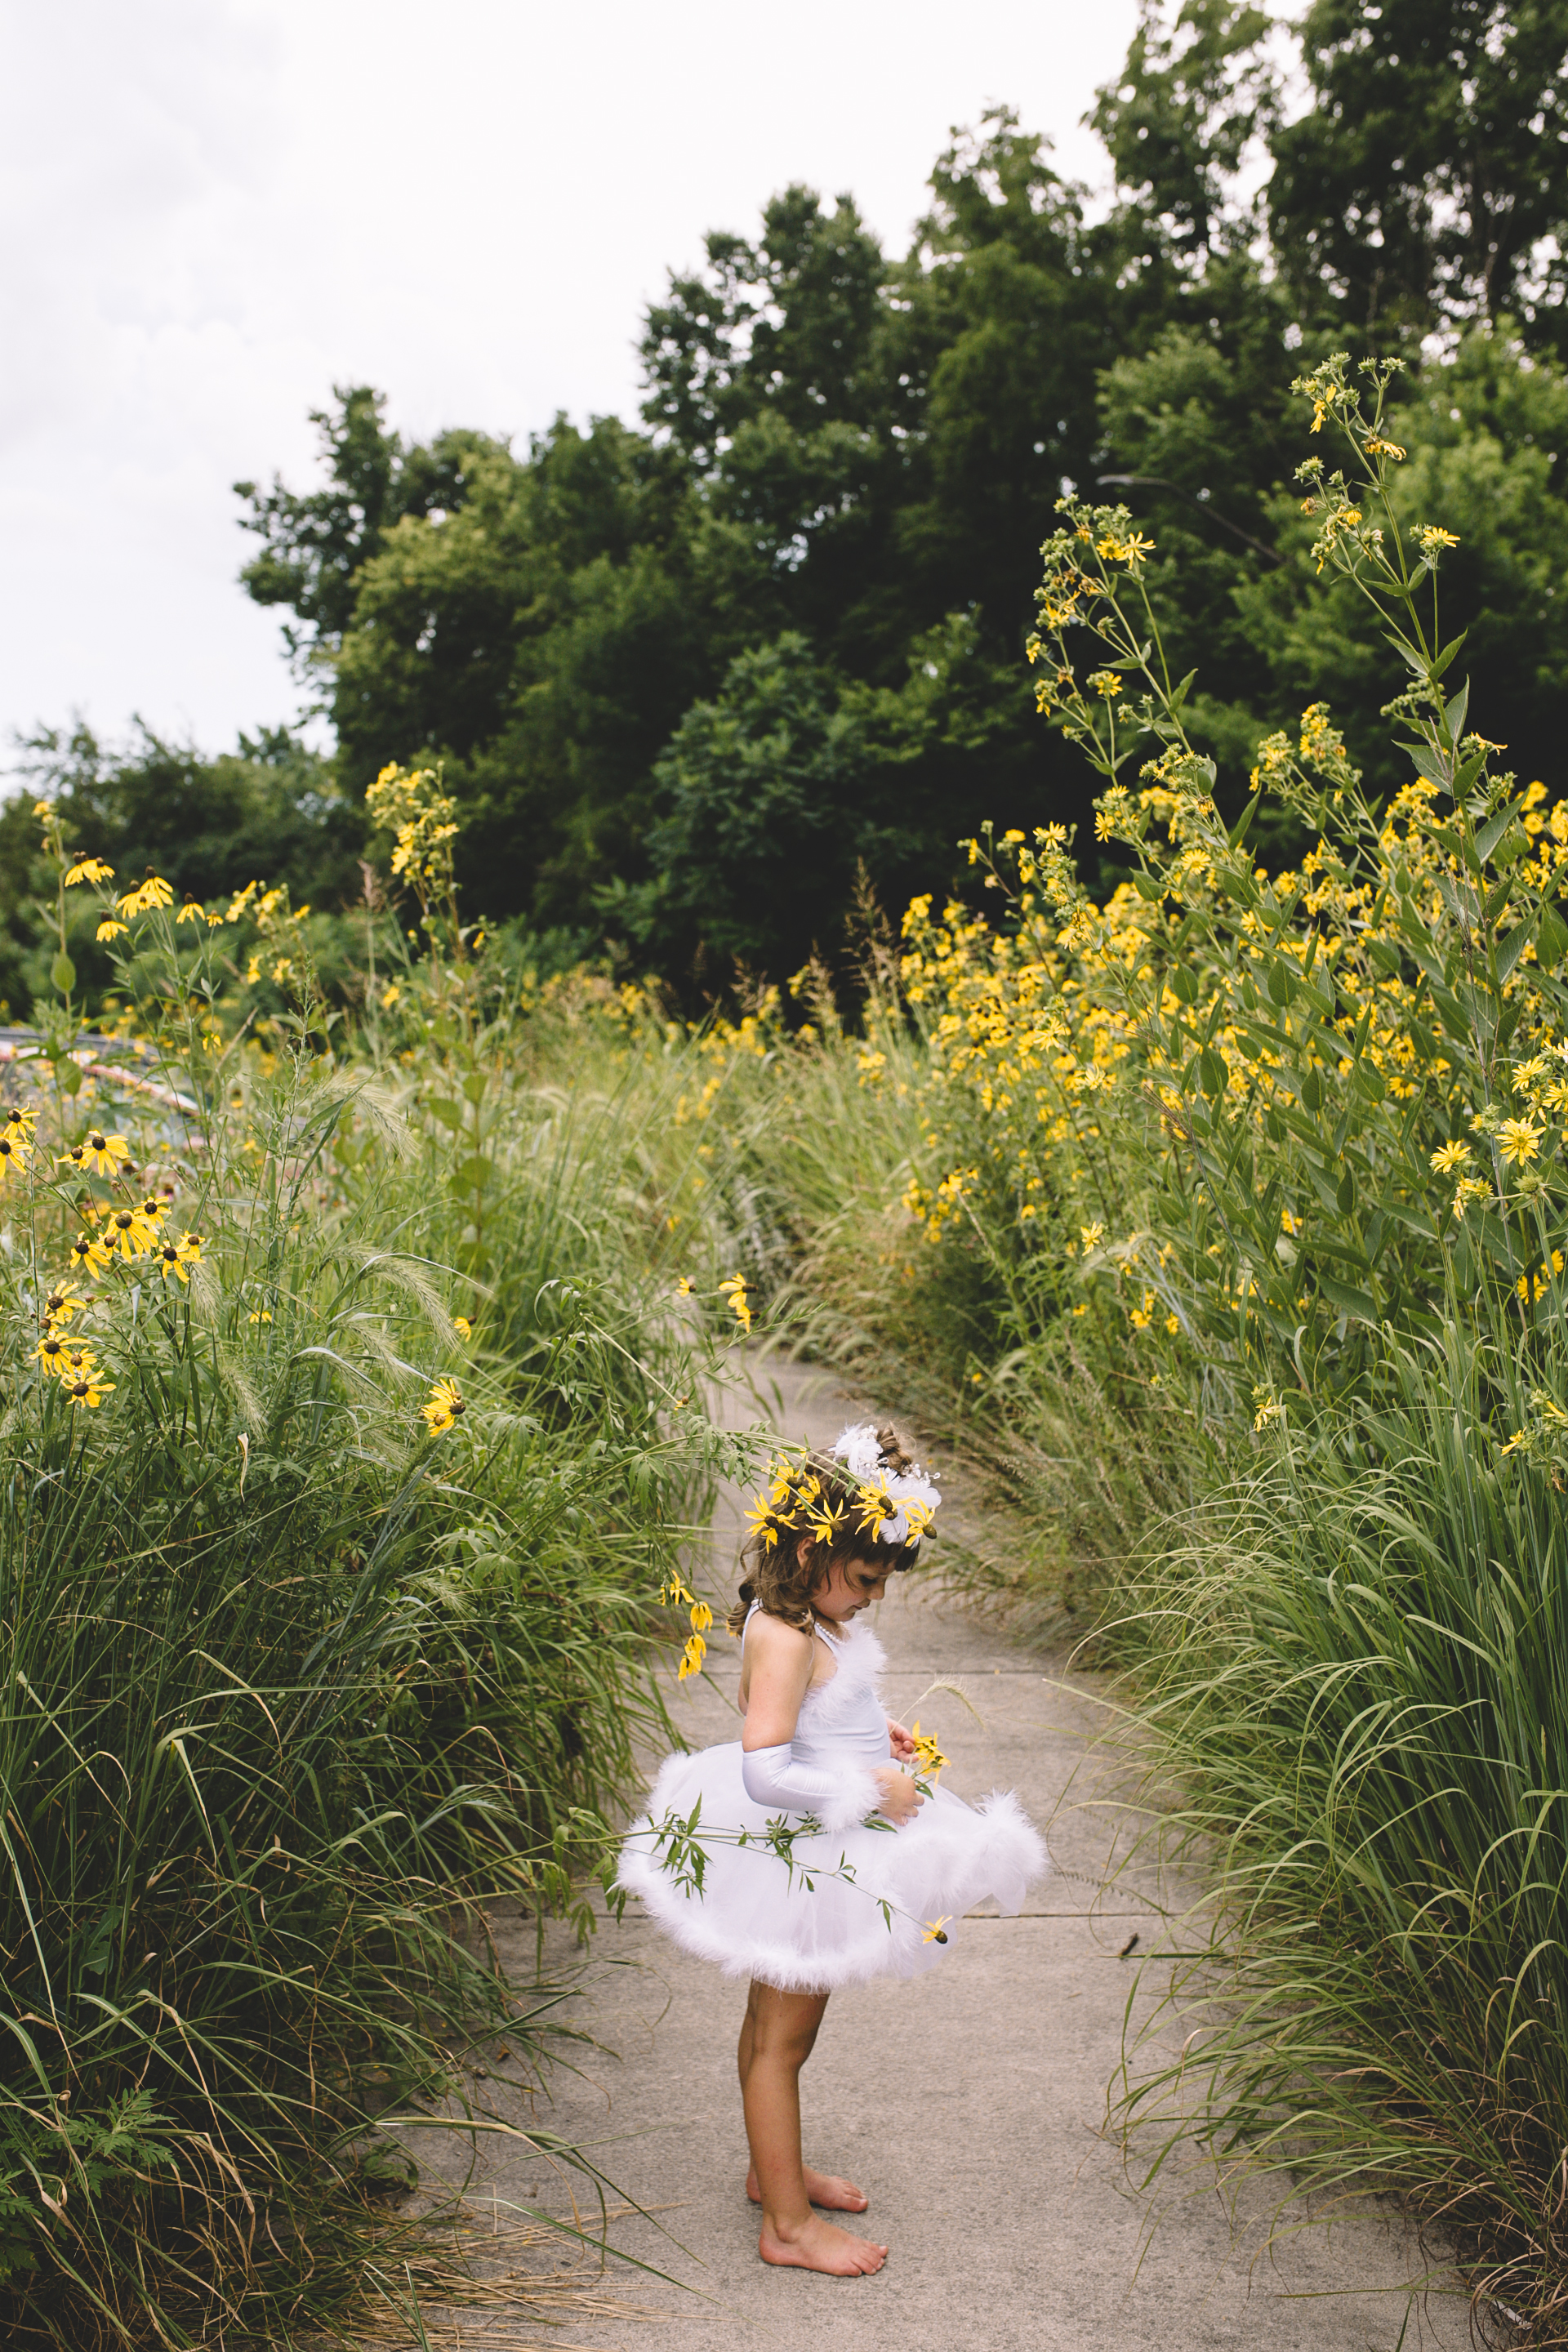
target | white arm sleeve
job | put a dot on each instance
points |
(838, 1800)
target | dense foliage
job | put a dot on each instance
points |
(348, 1443)
(778, 621)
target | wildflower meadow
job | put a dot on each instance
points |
(362, 1292)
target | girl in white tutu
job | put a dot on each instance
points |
(814, 1850)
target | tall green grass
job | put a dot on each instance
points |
(1357, 1676)
(288, 1684)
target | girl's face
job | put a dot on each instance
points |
(848, 1585)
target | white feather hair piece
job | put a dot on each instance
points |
(859, 1450)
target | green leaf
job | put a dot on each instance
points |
(1551, 938)
(1512, 947)
(62, 973)
(1148, 886)
(1183, 983)
(1344, 1198)
(451, 1114)
(1283, 982)
(474, 1174)
(1213, 1072)
(1348, 1299)
(1492, 833)
(474, 1085)
(1312, 1090)
(1243, 824)
(1453, 713)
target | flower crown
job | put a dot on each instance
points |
(896, 1507)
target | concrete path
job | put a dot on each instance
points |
(969, 2103)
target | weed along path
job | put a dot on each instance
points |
(969, 2104)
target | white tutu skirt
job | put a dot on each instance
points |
(824, 1925)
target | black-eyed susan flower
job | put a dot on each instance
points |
(130, 1233)
(59, 1306)
(153, 1209)
(148, 895)
(18, 1121)
(462, 1326)
(691, 1657)
(90, 1253)
(929, 1761)
(734, 1290)
(444, 1410)
(89, 1388)
(14, 1150)
(262, 1315)
(701, 1617)
(97, 1154)
(191, 911)
(109, 929)
(88, 870)
(177, 1257)
(52, 1352)
(936, 1929)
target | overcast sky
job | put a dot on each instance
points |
(217, 209)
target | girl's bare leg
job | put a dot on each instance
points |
(775, 2043)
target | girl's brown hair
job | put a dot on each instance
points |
(786, 1560)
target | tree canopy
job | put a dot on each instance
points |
(692, 675)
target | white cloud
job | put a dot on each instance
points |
(216, 209)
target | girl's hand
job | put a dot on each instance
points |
(899, 1741)
(901, 1800)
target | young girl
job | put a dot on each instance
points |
(826, 1860)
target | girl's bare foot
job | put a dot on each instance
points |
(821, 2189)
(819, 2245)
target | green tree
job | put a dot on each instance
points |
(1423, 185)
(780, 796)
(269, 811)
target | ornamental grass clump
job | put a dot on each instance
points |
(323, 1619)
(1270, 1168)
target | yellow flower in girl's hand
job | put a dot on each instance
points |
(929, 1758)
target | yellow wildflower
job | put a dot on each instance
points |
(1093, 1235)
(89, 1388)
(178, 1258)
(445, 1408)
(1450, 1157)
(734, 1290)
(89, 1254)
(929, 1761)
(1431, 539)
(88, 870)
(462, 1326)
(59, 1306)
(109, 929)
(101, 1153)
(1518, 1141)
(129, 1233)
(691, 1657)
(936, 1929)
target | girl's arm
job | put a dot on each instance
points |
(780, 1675)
